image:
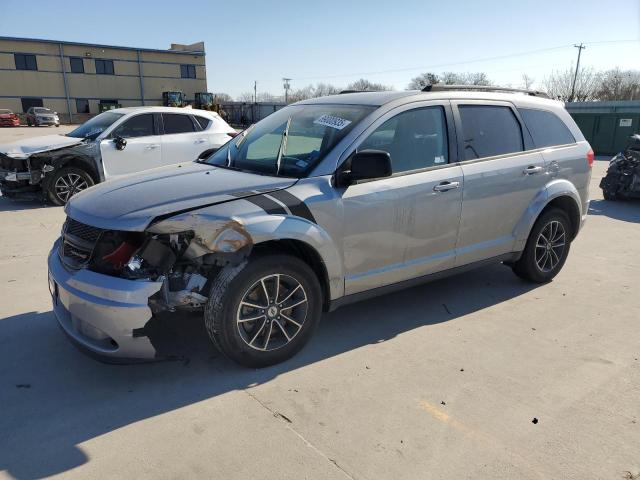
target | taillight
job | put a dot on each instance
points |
(590, 158)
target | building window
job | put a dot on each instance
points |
(188, 71)
(25, 62)
(82, 105)
(107, 105)
(77, 65)
(104, 67)
(27, 103)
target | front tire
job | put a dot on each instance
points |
(263, 312)
(66, 182)
(547, 247)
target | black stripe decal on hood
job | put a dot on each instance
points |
(266, 204)
(293, 203)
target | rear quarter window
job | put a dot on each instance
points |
(204, 122)
(546, 128)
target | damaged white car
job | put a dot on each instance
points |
(112, 144)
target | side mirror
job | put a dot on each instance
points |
(364, 165)
(120, 142)
(207, 153)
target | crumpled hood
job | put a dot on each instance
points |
(29, 146)
(132, 202)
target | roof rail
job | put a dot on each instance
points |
(353, 91)
(482, 88)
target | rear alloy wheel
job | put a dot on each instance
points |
(547, 247)
(263, 312)
(66, 183)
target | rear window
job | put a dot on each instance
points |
(204, 122)
(546, 128)
(489, 130)
(176, 123)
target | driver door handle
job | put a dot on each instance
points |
(153, 146)
(446, 186)
(532, 170)
(200, 140)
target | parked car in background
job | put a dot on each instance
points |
(37, 116)
(325, 202)
(8, 118)
(112, 144)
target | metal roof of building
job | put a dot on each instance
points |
(97, 45)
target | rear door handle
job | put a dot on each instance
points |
(446, 186)
(152, 146)
(532, 170)
(201, 140)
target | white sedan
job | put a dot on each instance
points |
(114, 143)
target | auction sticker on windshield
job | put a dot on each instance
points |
(332, 121)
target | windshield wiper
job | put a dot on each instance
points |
(283, 146)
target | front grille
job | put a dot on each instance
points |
(78, 242)
(82, 231)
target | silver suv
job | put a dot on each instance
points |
(324, 202)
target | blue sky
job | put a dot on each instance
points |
(339, 41)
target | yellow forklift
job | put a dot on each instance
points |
(174, 99)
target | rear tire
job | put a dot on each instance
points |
(66, 182)
(547, 247)
(256, 323)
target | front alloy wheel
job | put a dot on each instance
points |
(263, 311)
(66, 183)
(272, 312)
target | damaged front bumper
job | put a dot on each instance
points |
(103, 315)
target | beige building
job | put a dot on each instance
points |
(75, 78)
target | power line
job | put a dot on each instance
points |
(464, 62)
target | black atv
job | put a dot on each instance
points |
(622, 180)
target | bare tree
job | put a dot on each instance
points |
(619, 84)
(468, 78)
(222, 97)
(245, 97)
(301, 94)
(560, 84)
(324, 89)
(364, 85)
(422, 80)
(527, 81)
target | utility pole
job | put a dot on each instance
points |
(255, 91)
(286, 86)
(575, 76)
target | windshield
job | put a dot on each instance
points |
(291, 141)
(94, 127)
(41, 110)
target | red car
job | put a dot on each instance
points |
(9, 119)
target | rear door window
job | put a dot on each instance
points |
(177, 123)
(489, 130)
(138, 126)
(546, 128)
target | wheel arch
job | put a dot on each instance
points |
(560, 194)
(304, 252)
(84, 163)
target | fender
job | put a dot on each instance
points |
(552, 190)
(212, 223)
